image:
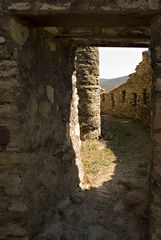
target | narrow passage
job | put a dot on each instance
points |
(116, 167)
(113, 205)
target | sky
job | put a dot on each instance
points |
(118, 62)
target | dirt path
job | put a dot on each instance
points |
(117, 169)
(115, 204)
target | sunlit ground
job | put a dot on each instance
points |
(124, 151)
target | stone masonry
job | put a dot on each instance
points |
(87, 72)
(132, 99)
(39, 136)
(155, 167)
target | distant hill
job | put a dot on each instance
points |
(110, 84)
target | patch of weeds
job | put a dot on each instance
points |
(90, 167)
(96, 155)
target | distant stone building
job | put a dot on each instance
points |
(132, 99)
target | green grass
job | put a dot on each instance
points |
(96, 155)
(126, 146)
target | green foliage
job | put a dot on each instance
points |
(95, 155)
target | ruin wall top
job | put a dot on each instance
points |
(139, 12)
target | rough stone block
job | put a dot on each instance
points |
(157, 116)
(154, 4)
(15, 139)
(7, 73)
(2, 40)
(15, 230)
(13, 159)
(156, 173)
(18, 207)
(4, 135)
(9, 180)
(14, 190)
(2, 233)
(158, 54)
(45, 108)
(19, 32)
(4, 203)
(9, 84)
(157, 158)
(153, 236)
(6, 110)
(157, 138)
(7, 64)
(53, 30)
(48, 7)
(20, 6)
(50, 93)
(158, 84)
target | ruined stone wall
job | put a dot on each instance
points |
(155, 165)
(132, 99)
(39, 133)
(37, 158)
(87, 72)
(86, 6)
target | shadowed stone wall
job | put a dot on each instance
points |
(39, 131)
(87, 72)
(38, 172)
(155, 174)
(85, 6)
(132, 99)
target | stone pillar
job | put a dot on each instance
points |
(155, 207)
(87, 68)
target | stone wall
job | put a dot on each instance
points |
(90, 23)
(132, 99)
(38, 154)
(87, 72)
(39, 133)
(155, 165)
(88, 7)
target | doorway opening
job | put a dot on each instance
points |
(118, 163)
